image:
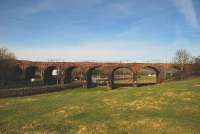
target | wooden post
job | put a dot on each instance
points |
(135, 79)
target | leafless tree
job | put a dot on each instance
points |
(182, 58)
(197, 60)
(7, 65)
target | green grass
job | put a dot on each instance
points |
(169, 108)
(129, 80)
(146, 79)
(142, 79)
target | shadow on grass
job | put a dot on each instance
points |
(131, 85)
(145, 84)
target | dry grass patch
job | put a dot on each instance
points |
(185, 96)
(30, 99)
(197, 85)
(170, 94)
(6, 104)
(113, 103)
(142, 125)
(110, 102)
(148, 103)
(67, 111)
(149, 122)
(29, 126)
(97, 129)
(82, 130)
(188, 109)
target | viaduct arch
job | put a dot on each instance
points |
(43, 71)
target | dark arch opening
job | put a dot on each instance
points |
(122, 77)
(96, 76)
(72, 74)
(32, 72)
(50, 75)
(148, 76)
(173, 73)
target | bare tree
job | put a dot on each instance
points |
(182, 57)
(197, 60)
(7, 65)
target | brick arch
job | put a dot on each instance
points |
(30, 65)
(68, 73)
(119, 67)
(88, 75)
(175, 67)
(156, 69)
(32, 72)
(48, 78)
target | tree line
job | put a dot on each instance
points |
(183, 57)
(7, 66)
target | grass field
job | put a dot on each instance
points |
(124, 81)
(169, 108)
(141, 79)
(146, 79)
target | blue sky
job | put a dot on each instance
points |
(100, 30)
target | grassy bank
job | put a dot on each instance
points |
(172, 107)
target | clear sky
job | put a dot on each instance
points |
(101, 30)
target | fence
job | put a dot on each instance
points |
(26, 91)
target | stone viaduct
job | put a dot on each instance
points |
(28, 69)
